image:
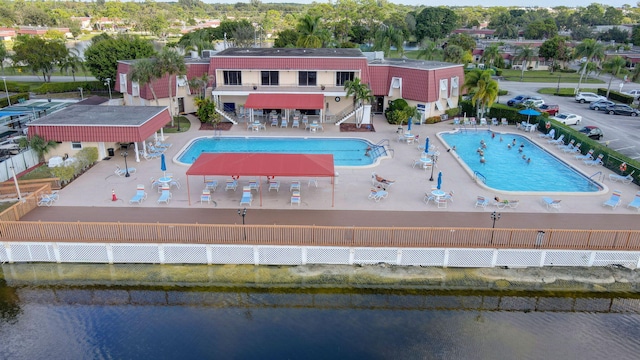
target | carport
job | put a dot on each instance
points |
(267, 165)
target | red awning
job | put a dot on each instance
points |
(285, 101)
(250, 164)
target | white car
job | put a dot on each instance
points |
(634, 93)
(587, 97)
(534, 103)
(567, 119)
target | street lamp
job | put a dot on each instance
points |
(108, 83)
(433, 164)
(126, 171)
(494, 216)
(558, 88)
(243, 213)
(4, 78)
(81, 95)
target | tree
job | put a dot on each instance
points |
(554, 49)
(491, 54)
(525, 54)
(309, 29)
(3, 55)
(200, 85)
(287, 38)
(463, 40)
(361, 94)
(435, 23)
(386, 37)
(429, 50)
(40, 55)
(244, 35)
(72, 62)
(102, 56)
(41, 146)
(484, 89)
(614, 66)
(590, 49)
(454, 54)
(616, 35)
(206, 111)
(145, 72)
(171, 63)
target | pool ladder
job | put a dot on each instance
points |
(600, 178)
(478, 175)
(380, 149)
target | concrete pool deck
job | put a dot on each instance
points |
(89, 198)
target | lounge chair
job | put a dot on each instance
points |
(156, 149)
(274, 121)
(140, 195)
(205, 196)
(295, 185)
(456, 121)
(614, 200)
(123, 172)
(296, 122)
(274, 185)
(247, 197)
(295, 198)
(551, 203)
(574, 149)
(550, 135)
(211, 184)
(482, 201)
(377, 195)
(284, 123)
(253, 184)
(494, 122)
(504, 122)
(379, 181)
(597, 161)
(165, 195)
(46, 200)
(567, 146)
(161, 145)
(557, 141)
(623, 179)
(150, 155)
(232, 184)
(483, 122)
(507, 203)
(636, 202)
(587, 156)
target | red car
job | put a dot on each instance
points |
(552, 110)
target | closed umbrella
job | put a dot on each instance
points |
(426, 145)
(163, 166)
(439, 179)
(409, 125)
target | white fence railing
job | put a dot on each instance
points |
(16, 252)
(20, 163)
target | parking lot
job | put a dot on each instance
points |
(621, 133)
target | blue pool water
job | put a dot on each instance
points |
(505, 169)
(346, 151)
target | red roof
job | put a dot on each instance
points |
(285, 101)
(252, 164)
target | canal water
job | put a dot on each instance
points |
(153, 312)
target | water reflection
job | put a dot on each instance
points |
(43, 318)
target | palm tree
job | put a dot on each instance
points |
(491, 53)
(386, 37)
(171, 63)
(309, 29)
(454, 54)
(614, 66)
(199, 84)
(429, 50)
(525, 53)
(590, 49)
(484, 89)
(145, 72)
(72, 62)
(361, 93)
(41, 146)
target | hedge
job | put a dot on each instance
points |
(617, 96)
(63, 87)
(15, 99)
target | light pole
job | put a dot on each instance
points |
(243, 213)
(108, 83)
(558, 87)
(81, 95)
(433, 164)
(494, 216)
(126, 167)
(4, 79)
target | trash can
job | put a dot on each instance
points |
(111, 152)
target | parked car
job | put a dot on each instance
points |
(601, 105)
(593, 132)
(635, 93)
(567, 119)
(621, 109)
(522, 98)
(533, 103)
(587, 97)
(552, 110)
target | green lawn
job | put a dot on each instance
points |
(546, 76)
(184, 125)
(41, 172)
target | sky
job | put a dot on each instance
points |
(486, 3)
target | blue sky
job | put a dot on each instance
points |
(542, 3)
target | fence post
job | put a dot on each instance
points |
(7, 249)
(352, 254)
(209, 254)
(399, 257)
(161, 254)
(256, 256)
(494, 258)
(304, 255)
(56, 252)
(445, 260)
(592, 258)
(543, 255)
(109, 253)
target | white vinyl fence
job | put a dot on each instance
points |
(20, 163)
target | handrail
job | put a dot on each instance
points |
(479, 175)
(382, 142)
(601, 179)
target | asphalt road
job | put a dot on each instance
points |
(621, 133)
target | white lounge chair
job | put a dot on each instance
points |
(557, 141)
(274, 185)
(623, 179)
(550, 135)
(636, 202)
(551, 203)
(232, 184)
(123, 172)
(614, 200)
(378, 195)
(587, 156)
(295, 185)
(562, 146)
(47, 199)
(482, 201)
(597, 161)
(573, 149)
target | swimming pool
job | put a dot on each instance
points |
(505, 168)
(346, 151)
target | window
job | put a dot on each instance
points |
(76, 145)
(439, 106)
(344, 76)
(307, 78)
(135, 88)
(443, 88)
(269, 77)
(232, 78)
(454, 87)
(123, 83)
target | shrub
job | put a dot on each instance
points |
(87, 157)
(62, 87)
(432, 120)
(394, 112)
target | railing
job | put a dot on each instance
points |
(480, 176)
(600, 178)
(29, 202)
(293, 235)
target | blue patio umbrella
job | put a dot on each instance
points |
(439, 179)
(409, 125)
(529, 113)
(163, 165)
(426, 145)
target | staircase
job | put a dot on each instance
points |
(346, 115)
(227, 116)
